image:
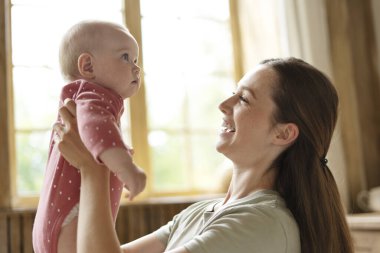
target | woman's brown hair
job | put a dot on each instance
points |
(306, 97)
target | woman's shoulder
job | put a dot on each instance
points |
(264, 209)
(261, 204)
(259, 221)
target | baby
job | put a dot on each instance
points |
(99, 59)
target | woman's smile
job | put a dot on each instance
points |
(227, 127)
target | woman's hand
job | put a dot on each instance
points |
(67, 137)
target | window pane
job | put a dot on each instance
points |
(42, 37)
(165, 100)
(188, 71)
(204, 99)
(217, 9)
(29, 23)
(169, 161)
(36, 92)
(32, 152)
(126, 124)
(186, 46)
(207, 162)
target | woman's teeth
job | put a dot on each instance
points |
(228, 129)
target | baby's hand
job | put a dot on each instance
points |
(134, 181)
(120, 161)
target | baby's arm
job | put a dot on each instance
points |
(120, 162)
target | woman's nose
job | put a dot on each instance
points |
(226, 106)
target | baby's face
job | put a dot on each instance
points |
(115, 63)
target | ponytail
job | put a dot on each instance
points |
(312, 196)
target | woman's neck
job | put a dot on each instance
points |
(247, 181)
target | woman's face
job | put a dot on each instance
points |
(247, 131)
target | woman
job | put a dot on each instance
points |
(276, 130)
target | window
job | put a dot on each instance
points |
(187, 67)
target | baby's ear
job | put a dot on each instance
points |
(85, 65)
(285, 134)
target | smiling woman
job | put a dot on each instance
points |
(248, 112)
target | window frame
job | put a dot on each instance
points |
(137, 106)
(6, 113)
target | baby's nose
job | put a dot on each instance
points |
(137, 71)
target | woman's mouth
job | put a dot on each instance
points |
(227, 128)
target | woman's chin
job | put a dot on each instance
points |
(221, 146)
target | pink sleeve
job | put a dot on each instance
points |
(98, 119)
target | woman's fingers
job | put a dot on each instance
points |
(59, 131)
(67, 118)
(70, 144)
(71, 106)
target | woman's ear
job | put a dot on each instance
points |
(85, 65)
(285, 134)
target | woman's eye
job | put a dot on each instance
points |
(242, 98)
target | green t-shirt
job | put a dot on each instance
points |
(259, 222)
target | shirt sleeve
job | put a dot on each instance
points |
(163, 232)
(97, 123)
(241, 232)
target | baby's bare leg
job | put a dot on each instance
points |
(67, 241)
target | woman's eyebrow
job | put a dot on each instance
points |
(250, 91)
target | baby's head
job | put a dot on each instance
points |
(101, 52)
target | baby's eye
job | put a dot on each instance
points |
(125, 57)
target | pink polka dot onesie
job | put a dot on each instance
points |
(98, 114)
